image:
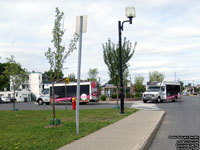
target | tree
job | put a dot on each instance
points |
(57, 57)
(4, 79)
(92, 74)
(50, 73)
(182, 85)
(156, 76)
(139, 87)
(112, 60)
(16, 74)
(72, 77)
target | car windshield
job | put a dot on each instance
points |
(153, 89)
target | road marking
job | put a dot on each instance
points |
(145, 106)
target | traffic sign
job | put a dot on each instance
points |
(67, 80)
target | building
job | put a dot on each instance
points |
(29, 89)
(111, 91)
(20, 95)
(37, 82)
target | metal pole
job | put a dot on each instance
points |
(175, 76)
(65, 95)
(121, 72)
(78, 76)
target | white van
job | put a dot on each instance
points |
(161, 91)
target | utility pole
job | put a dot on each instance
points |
(175, 76)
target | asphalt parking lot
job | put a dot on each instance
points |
(35, 106)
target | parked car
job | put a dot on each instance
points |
(185, 93)
(5, 99)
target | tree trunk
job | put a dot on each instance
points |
(117, 96)
(125, 93)
(53, 97)
(14, 100)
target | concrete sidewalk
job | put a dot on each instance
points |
(134, 132)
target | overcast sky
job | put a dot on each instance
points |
(167, 33)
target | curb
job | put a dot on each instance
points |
(149, 138)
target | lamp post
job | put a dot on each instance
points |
(130, 13)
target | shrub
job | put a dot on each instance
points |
(128, 95)
(137, 95)
(103, 97)
(114, 96)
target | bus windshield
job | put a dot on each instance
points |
(153, 89)
(45, 91)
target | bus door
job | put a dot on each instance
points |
(94, 92)
(163, 92)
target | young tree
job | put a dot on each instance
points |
(57, 58)
(16, 74)
(156, 76)
(112, 60)
(92, 74)
(139, 87)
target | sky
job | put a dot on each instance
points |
(166, 31)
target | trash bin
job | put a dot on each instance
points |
(12, 99)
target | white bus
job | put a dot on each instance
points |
(88, 93)
(162, 91)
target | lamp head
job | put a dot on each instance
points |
(130, 13)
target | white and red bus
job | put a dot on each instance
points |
(88, 93)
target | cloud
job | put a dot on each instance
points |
(167, 33)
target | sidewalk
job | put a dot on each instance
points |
(135, 132)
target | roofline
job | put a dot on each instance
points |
(72, 83)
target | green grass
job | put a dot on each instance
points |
(25, 130)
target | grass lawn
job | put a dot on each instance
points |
(25, 130)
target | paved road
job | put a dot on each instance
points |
(92, 105)
(35, 106)
(182, 118)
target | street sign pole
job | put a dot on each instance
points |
(81, 27)
(65, 96)
(66, 82)
(78, 76)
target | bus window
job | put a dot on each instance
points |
(71, 91)
(84, 89)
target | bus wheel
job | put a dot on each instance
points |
(40, 102)
(144, 101)
(174, 100)
(158, 100)
(47, 103)
(82, 103)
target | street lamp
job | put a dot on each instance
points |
(130, 13)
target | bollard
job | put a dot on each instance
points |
(73, 103)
